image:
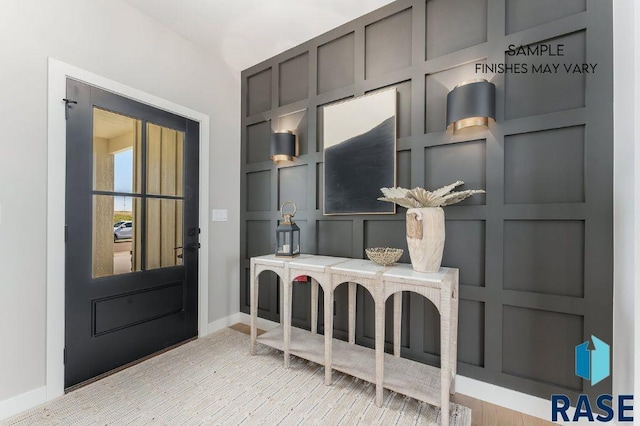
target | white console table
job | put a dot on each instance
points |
(420, 381)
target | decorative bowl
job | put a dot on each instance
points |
(384, 256)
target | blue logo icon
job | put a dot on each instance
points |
(593, 364)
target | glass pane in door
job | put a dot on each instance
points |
(116, 152)
(116, 235)
(164, 161)
(164, 233)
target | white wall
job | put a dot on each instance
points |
(112, 39)
(626, 345)
(635, 256)
(635, 361)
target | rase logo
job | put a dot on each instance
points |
(593, 364)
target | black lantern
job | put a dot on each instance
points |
(287, 234)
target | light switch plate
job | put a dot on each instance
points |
(218, 215)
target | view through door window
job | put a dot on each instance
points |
(124, 215)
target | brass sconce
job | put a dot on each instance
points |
(282, 146)
(471, 103)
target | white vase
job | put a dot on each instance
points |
(425, 238)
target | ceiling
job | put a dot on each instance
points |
(109, 125)
(246, 32)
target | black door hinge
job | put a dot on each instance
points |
(67, 106)
(66, 233)
(64, 356)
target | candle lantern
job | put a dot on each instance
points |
(287, 233)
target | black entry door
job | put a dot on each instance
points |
(132, 231)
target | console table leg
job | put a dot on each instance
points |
(287, 288)
(328, 335)
(444, 398)
(352, 313)
(445, 353)
(454, 337)
(379, 351)
(397, 322)
(253, 300)
(314, 306)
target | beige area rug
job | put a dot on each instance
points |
(214, 381)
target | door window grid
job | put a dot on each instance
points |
(137, 165)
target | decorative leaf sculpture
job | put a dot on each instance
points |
(447, 188)
(420, 197)
(456, 197)
(398, 196)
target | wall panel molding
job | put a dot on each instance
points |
(536, 249)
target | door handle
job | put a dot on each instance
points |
(192, 246)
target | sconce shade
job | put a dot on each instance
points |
(282, 146)
(471, 104)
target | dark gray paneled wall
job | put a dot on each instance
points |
(535, 253)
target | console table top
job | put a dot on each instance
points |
(310, 261)
(359, 266)
(398, 271)
(405, 271)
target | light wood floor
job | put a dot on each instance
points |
(483, 413)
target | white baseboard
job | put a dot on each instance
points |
(508, 398)
(263, 324)
(513, 400)
(223, 323)
(16, 405)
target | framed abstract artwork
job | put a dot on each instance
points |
(360, 154)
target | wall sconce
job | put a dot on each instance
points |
(471, 103)
(282, 146)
